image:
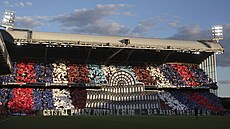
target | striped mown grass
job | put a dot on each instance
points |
(116, 122)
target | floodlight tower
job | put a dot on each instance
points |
(217, 33)
(8, 19)
(209, 64)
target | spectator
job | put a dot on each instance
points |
(196, 112)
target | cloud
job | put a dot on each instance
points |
(224, 81)
(100, 27)
(93, 21)
(144, 26)
(7, 4)
(30, 22)
(127, 14)
(17, 4)
(223, 59)
(23, 4)
(174, 22)
(86, 21)
(194, 32)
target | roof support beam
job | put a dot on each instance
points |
(89, 52)
(205, 43)
(114, 54)
(127, 59)
(45, 58)
(167, 56)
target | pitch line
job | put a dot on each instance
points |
(7, 119)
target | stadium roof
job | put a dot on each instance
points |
(47, 47)
(33, 37)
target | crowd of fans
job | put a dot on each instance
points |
(21, 101)
(200, 77)
(79, 98)
(5, 95)
(96, 74)
(28, 100)
(185, 75)
(171, 101)
(143, 75)
(25, 73)
(192, 75)
(78, 74)
(185, 99)
(190, 100)
(43, 72)
(204, 101)
(165, 75)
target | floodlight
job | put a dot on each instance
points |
(196, 53)
(5, 20)
(8, 19)
(217, 32)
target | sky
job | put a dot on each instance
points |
(167, 19)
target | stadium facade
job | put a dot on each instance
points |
(66, 74)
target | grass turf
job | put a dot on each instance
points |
(116, 122)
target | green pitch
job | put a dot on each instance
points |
(116, 122)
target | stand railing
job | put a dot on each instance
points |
(5, 58)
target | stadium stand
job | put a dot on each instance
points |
(83, 77)
(122, 96)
